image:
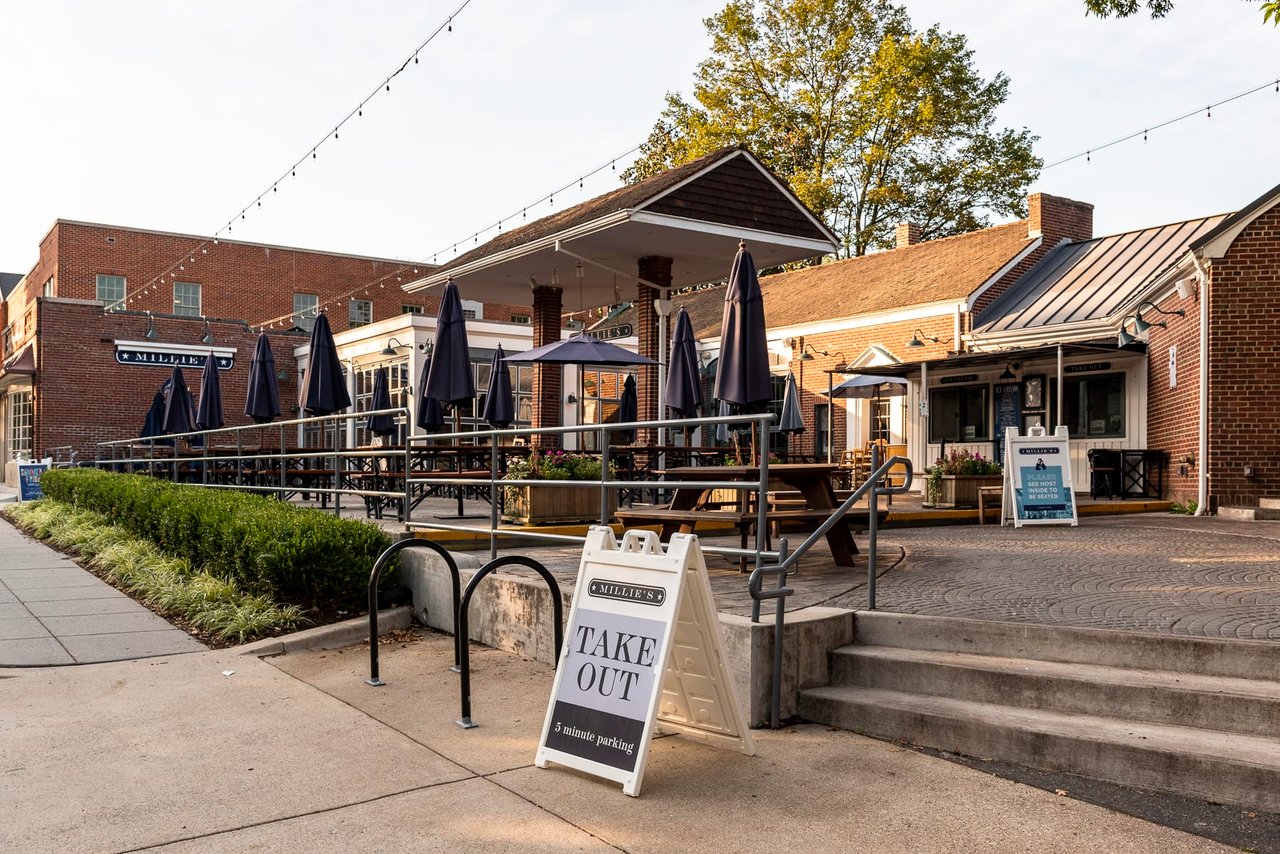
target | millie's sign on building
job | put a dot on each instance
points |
(148, 355)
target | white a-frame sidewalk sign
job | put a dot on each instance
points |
(643, 649)
(1037, 479)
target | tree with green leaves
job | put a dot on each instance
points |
(1160, 8)
(871, 122)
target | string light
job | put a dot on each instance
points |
(1166, 123)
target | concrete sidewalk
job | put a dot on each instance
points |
(297, 753)
(54, 612)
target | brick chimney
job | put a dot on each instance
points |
(1056, 218)
(907, 234)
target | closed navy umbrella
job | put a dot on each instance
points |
(324, 391)
(791, 420)
(499, 406)
(628, 409)
(742, 380)
(450, 380)
(209, 415)
(683, 391)
(179, 411)
(384, 424)
(429, 415)
(262, 402)
(153, 424)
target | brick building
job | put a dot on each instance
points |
(99, 292)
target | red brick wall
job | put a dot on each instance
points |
(244, 281)
(83, 396)
(852, 343)
(654, 269)
(1244, 365)
(548, 380)
(1173, 413)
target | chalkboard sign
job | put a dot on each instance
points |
(29, 480)
(1008, 412)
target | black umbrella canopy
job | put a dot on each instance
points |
(581, 349)
(179, 411)
(262, 401)
(430, 414)
(499, 405)
(742, 380)
(791, 420)
(153, 424)
(450, 380)
(324, 391)
(209, 414)
(384, 424)
(683, 391)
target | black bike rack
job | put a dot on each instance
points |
(375, 576)
(557, 610)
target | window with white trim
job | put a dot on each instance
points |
(109, 289)
(305, 309)
(411, 309)
(360, 312)
(20, 423)
(186, 299)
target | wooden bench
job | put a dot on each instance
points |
(985, 492)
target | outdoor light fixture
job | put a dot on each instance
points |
(918, 335)
(207, 338)
(151, 328)
(1008, 373)
(389, 350)
(1140, 326)
(571, 399)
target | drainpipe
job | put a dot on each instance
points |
(1202, 475)
(957, 325)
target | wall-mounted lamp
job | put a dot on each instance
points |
(207, 338)
(918, 335)
(151, 328)
(425, 347)
(571, 399)
(1140, 326)
(1008, 373)
(389, 350)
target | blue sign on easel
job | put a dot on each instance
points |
(29, 480)
(1037, 476)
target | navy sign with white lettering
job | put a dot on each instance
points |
(158, 359)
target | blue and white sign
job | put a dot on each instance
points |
(1038, 474)
(170, 358)
(29, 488)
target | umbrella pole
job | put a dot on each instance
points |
(457, 444)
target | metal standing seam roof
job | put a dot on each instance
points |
(1092, 279)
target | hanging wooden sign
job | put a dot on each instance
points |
(643, 648)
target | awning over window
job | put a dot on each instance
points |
(22, 362)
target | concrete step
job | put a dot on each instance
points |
(1269, 503)
(1243, 659)
(1250, 514)
(1228, 704)
(1214, 766)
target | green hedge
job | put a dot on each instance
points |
(269, 548)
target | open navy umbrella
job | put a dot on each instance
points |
(791, 420)
(324, 391)
(430, 414)
(628, 410)
(209, 414)
(499, 406)
(262, 401)
(867, 386)
(581, 349)
(683, 391)
(179, 411)
(384, 424)
(450, 379)
(742, 380)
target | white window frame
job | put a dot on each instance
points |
(181, 309)
(359, 312)
(304, 317)
(98, 282)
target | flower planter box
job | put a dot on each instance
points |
(538, 505)
(961, 490)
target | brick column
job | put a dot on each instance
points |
(656, 269)
(548, 385)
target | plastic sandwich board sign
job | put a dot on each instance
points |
(643, 650)
(29, 488)
(1037, 477)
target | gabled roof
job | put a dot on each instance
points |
(948, 269)
(694, 214)
(1215, 242)
(7, 283)
(1091, 280)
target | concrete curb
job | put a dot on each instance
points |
(346, 633)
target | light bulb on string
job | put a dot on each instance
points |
(1208, 112)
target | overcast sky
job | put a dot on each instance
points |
(175, 115)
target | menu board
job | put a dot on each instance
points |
(1008, 412)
